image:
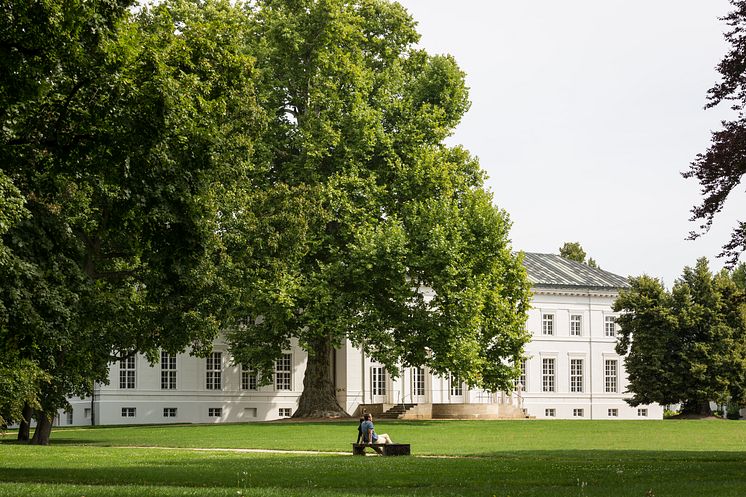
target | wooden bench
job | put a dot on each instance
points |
(382, 449)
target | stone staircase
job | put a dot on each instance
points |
(396, 412)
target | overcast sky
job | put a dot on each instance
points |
(584, 113)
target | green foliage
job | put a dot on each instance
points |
(20, 385)
(361, 210)
(687, 345)
(126, 135)
(574, 251)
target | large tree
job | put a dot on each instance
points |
(369, 228)
(128, 137)
(719, 170)
(686, 346)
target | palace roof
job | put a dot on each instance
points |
(550, 270)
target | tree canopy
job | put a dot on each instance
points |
(125, 134)
(574, 251)
(719, 170)
(372, 230)
(685, 346)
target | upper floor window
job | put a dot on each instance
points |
(547, 324)
(214, 379)
(127, 372)
(168, 371)
(284, 372)
(576, 325)
(610, 326)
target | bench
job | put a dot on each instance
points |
(382, 449)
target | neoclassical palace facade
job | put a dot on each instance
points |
(571, 372)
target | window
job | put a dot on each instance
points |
(550, 413)
(521, 380)
(70, 417)
(127, 373)
(642, 413)
(578, 413)
(214, 371)
(547, 324)
(378, 380)
(576, 325)
(285, 412)
(610, 326)
(547, 375)
(214, 412)
(610, 375)
(169, 412)
(128, 412)
(418, 381)
(576, 375)
(87, 413)
(249, 412)
(168, 371)
(613, 413)
(248, 378)
(457, 388)
(283, 372)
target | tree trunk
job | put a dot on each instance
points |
(43, 429)
(319, 400)
(24, 430)
(696, 407)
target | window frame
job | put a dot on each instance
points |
(610, 331)
(577, 376)
(576, 325)
(547, 324)
(549, 379)
(378, 380)
(611, 378)
(214, 371)
(284, 372)
(128, 373)
(168, 371)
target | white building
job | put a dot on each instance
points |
(571, 371)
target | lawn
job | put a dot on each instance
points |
(484, 458)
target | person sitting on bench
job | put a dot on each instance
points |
(369, 432)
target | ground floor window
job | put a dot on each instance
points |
(169, 412)
(418, 382)
(128, 412)
(578, 413)
(378, 380)
(550, 413)
(284, 372)
(642, 412)
(70, 417)
(457, 388)
(613, 413)
(214, 412)
(285, 412)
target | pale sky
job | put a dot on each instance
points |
(584, 113)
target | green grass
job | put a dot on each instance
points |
(500, 458)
